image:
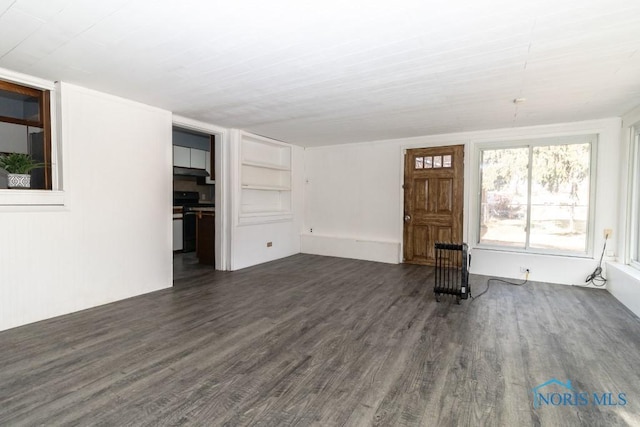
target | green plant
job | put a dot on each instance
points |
(18, 163)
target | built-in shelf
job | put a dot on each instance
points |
(266, 187)
(262, 218)
(265, 180)
(266, 165)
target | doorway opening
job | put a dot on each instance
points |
(194, 202)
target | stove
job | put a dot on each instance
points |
(189, 201)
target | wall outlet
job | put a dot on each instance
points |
(608, 232)
(269, 244)
(524, 270)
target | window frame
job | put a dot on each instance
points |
(12, 199)
(634, 188)
(532, 143)
(44, 122)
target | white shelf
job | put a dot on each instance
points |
(265, 180)
(266, 187)
(264, 213)
(266, 153)
(266, 165)
(262, 217)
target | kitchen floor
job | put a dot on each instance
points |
(186, 266)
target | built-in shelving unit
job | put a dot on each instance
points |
(265, 179)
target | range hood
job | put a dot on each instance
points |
(200, 173)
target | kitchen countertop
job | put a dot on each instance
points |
(179, 209)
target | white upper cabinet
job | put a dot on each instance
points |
(198, 158)
(185, 157)
(181, 156)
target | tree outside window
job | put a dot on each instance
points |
(537, 196)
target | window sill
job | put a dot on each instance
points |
(630, 270)
(518, 251)
(31, 198)
(264, 217)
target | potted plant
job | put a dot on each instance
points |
(18, 166)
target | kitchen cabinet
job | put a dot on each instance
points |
(198, 158)
(177, 232)
(181, 156)
(205, 247)
(186, 157)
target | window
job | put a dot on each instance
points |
(25, 128)
(635, 200)
(536, 196)
(433, 162)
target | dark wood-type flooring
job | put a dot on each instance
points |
(310, 340)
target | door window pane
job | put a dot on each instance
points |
(437, 161)
(418, 163)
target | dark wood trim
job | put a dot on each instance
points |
(212, 156)
(21, 121)
(22, 90)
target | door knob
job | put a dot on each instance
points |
(407, 218)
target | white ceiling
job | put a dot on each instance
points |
(320, 72)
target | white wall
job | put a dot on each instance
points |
(623, 280)
(352, 194)
(112, 239)
(249, 241)
(353, 200)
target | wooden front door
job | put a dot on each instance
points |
(433, 198)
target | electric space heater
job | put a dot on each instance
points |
(452, 271)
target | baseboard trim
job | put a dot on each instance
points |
(345, 247)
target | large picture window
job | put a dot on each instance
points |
(25, 129)
(536, 196)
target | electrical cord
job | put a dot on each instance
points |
(495, 279)
(596, 278)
